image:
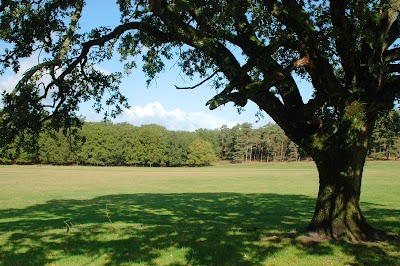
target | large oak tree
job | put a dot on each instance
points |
(249, 49)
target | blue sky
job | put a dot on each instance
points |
(160, 103)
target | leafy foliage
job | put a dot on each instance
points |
(106, 144)
(339, 40)
(250, 50)
(201, 153)
(109, 144)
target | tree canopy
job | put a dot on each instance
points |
(108, 144)
(249, 49)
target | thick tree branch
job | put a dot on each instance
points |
(291, 14)
(228, 64)
(388, 17)
(261, 56)
(238, 76)
(223, 58)
(345, 38)
(60, 55)
(394, 68)
(390, 90)
(262, 87)
(394, 32)
(71, 31)
(112, 35)
(282, 114)
(391, 55)
(220, 99)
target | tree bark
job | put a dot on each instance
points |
(337, 212)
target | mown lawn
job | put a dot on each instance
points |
(249, 214)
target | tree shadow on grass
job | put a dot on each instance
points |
(167, 229)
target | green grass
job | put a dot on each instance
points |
(249, 214)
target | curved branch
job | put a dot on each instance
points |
(28, 75)
(389, 92)
(389, 23)
(199, 84)
(220, 99)
(291, 14)
(60, 55)
(391, 55)
(238, 75)
(110, 36)
(71, 31)
(394, 32)
(394, 68)
(261, 55)
(222, 56)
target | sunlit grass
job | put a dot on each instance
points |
(248, 214)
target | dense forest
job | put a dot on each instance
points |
(108, 144)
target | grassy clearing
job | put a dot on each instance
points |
(221, 215)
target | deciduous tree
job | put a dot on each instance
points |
(201, 153)
(250, 50)
(152, 145)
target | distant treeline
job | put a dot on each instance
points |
(108, 144)
(105, 143)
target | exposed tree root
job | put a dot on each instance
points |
(368, 234)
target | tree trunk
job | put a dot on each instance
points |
(337, 212)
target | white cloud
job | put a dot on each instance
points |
(103, 70)
(8, 82)
(177, 119)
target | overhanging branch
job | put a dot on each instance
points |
(28, 75)
(199, 84)
(256, 88)
(110, 36)
(393, 33)
(260, 56)
(390, 90)
(220, 99)
(391, 55)
(60, 55)
(291, 14)
(394, 68)
(221, 55)
(238, 75)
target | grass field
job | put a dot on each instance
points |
(250, 214)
